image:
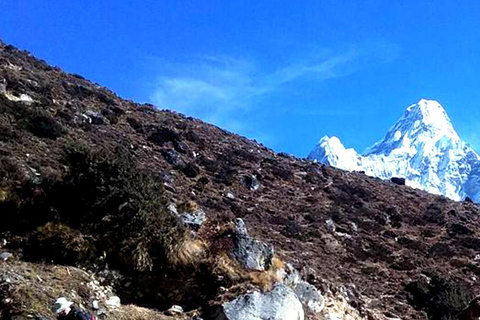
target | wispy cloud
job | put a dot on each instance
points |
(223, 90)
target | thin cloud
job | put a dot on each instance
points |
(223, 90)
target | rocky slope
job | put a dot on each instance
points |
(421, 147)
(148, 203)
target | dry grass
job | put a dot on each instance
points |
(131, 312)
(141, 258)
(186, 252)
(266, 279)
(225, 266)
(188, 206)
(34, 287)
(3, 195)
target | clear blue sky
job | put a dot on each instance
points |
(283, 72)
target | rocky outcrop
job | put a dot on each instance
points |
(279, 304)
(252, 254)
(308, 295)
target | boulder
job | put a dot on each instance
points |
(279, 304)
(308, 295)
(251, 253)
(399, 181)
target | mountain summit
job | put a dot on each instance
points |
(421, 147)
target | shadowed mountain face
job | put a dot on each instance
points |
(75, 156)
(421, 147)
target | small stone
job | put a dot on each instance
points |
(95, 117)
(95, 305)
(230, 195)
(4, 256)
(193, 219)
(113, 302)
(174, 310)
(172, 208)
(330, 225)
(174, 158)
(251, 182)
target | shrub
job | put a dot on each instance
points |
(440, 297)
(104, 197)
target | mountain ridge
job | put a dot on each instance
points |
(373, 249)
(422, 147)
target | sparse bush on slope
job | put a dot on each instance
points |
(441, 298)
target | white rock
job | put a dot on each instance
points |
(309, 296)
(175, 310)
(4, 256)
(113, 302)
(279, 304)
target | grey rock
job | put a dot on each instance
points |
(172, 209)
(240, 227)
(251, 182)
(309, 296)
(193, 219)
(174, 310)
(251, 253)
(3, 86)
(4, 256)
(279, 304)
(81, 119)
(95, 117)
(330, 225)
(174, 158)
(113, 302)
(180, 146)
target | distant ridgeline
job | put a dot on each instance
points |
(421, 147)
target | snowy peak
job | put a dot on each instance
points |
(431, 115)
(421, 147)
(331, 150)
(424, 122)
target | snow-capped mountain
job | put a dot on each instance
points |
(421, 147)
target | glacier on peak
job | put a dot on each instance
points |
(421, 147)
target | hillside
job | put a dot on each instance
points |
(89, 180)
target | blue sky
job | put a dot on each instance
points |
(283, 72)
